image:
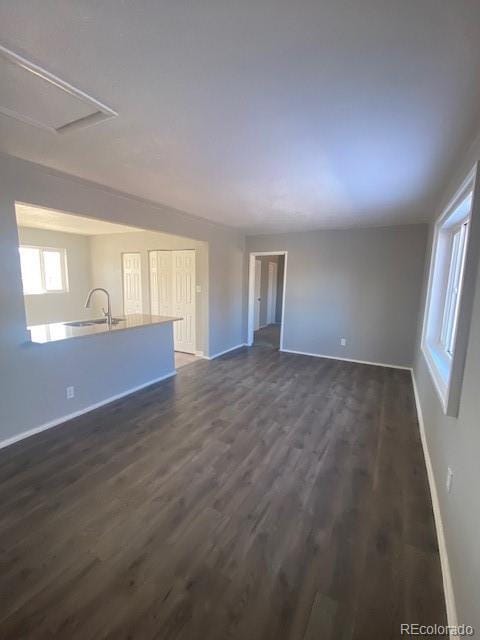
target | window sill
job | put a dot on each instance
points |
(440, 372)
(45, 293)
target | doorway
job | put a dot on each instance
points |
(267, 280)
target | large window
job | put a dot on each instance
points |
(445, 330)
(44, 270)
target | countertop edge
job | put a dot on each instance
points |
(105, 331)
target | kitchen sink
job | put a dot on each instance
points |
(90, 323)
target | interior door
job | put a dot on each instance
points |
(258, 282)
(153, 274)
(183, 290)
(272, 292)
(161, 301)
(132, 283)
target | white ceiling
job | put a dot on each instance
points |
(266, 114)
(40, 218)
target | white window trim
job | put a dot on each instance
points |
(63, 252)
(447, 370)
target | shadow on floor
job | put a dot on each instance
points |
(182, 359)
(268, 336)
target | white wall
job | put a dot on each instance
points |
(33, 377)
(55, 307)
(360, 284)
(106, 253)
(455, 442)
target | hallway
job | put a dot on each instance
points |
(268, 336)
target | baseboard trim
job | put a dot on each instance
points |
(319, 355)
(75, 414)
(442, 546)
(222, 353)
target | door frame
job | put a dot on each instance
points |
(251, 293)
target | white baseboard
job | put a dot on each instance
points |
(319, 355)
(442, 546)
(75, 414)
(221, 353)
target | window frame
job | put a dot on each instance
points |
(64, 269)
(446, 362)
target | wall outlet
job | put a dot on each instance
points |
(70, 392)
(343, 342)
(198, 289)
(449, 479)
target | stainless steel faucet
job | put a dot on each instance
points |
(108, 312)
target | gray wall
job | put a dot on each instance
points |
(33, 377)
(455, 442)
(360, 284)
(55, 307)
(106, 251)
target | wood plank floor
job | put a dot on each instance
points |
(262, 495)
(268, 336)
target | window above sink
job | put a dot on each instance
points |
(44, 270)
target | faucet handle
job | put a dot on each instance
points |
(104, 312)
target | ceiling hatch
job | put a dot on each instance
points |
(33, 95)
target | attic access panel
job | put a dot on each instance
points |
(33, 95)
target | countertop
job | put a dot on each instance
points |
(53, 332)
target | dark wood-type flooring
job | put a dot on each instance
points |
(259, 496)
(268, 336)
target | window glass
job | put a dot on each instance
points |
(455, 272)
(52, 263)
(31, 270)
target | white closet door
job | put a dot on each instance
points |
(132, 283)
(153, 270)
(161, 283)
(183, 286)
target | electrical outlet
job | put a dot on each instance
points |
(70, 392)
(198, 289)
(449, 479)
(343, 342)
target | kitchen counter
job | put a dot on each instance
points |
(53, 332)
